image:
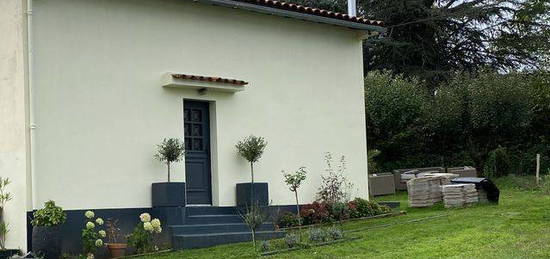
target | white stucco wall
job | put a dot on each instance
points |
(101, 109)
(13, 137)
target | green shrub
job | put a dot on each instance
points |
(360, 208)
(50, 215)
(92, 236)
(142, 237)
(288, 219)
(339, 211)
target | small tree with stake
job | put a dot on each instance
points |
(170, 150)
(294, 181)
(251, 149)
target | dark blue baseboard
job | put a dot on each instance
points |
(71, 230)
(129, 218)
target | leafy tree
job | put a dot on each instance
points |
(394, 108)
(294, 181)
(431, 38)
(170, 150)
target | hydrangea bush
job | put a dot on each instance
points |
(92, 234)
(143, 236)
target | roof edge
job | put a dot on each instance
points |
(292, 14)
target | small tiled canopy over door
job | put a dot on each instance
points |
(197, 156)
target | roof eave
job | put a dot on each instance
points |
(292, 14)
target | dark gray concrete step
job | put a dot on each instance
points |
(208, 240)
(209, 210)
(212, 219)
(216, 228)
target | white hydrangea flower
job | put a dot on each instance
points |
(99, 221)
(102, 233)
(155, 223)
(89, 214)
(158, 229)
(148, 227)
(99, 243)
(145, 217)
(90, 225)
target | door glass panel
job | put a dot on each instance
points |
(196, 116)
(197, 144)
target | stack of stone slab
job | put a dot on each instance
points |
(419, 190)
(425, 191)
(459, 195)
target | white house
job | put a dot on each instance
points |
(88, 88)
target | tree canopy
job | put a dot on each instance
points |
(432, 38)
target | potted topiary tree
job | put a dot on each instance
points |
(46, 232)
(169, 194)
(249, 194)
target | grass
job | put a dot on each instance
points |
(519, 227)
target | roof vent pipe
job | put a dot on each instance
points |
(352, 7)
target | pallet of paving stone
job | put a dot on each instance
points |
(425, 191)
(459, 195)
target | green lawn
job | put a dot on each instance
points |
(519, 227)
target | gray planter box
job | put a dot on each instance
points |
(464, 171)
(260, 196)
(168, 195)
(401, 184)
(381, 184)
(46, 241)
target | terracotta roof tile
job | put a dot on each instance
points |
(313, 11)
(209, 79)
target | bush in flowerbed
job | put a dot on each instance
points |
(288, 219)
(92, 234)
(339, 211)
(315, 213)
(360, 208)
(143, 236)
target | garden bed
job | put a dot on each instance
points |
(345, 221)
